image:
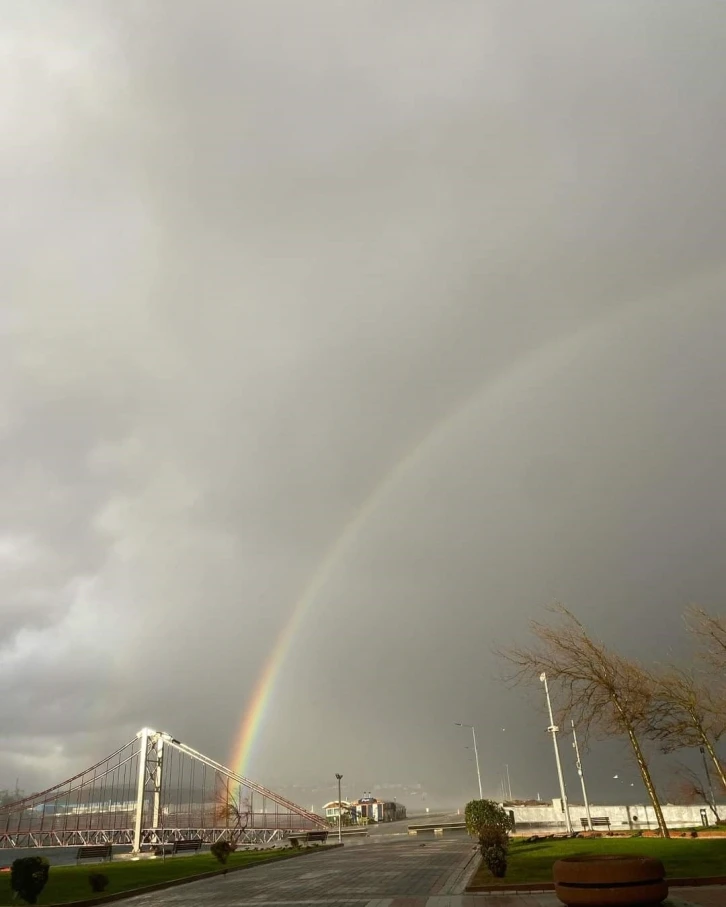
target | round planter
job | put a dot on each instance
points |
(609, 881)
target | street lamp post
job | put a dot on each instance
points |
(580, 773)
(340, 811)
(476, 754)
(553, 730)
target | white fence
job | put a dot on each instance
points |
(622, 818)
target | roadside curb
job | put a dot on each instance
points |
(459, 879)
(173, 883)
(697, 883)
(550, 886)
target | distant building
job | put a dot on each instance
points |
(332, 809)
(369, 809)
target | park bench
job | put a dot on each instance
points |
(186, 846)
(95, 852)
(317, 836)
(163, 850)
(597, 822)
(308, 837)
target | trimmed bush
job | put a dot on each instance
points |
(491, 824)
(481, 815)
(98, 881)
(28, 877)
(221, 850)
(495, 859)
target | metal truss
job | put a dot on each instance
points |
(65, 839)
(125, 837)
(251, 836)
(153, 790)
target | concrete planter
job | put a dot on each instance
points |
(609, 881)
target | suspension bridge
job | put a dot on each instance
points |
(153, 791)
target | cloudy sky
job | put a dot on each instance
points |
(444, 280)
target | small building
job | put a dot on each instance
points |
(370, 809)
(335, 807)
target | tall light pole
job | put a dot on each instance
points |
(476, 754)
(553, 730)
(579, 772)
(340, 810)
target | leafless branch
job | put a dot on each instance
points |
(709, 631)
(689, 787)
(232, 811)
(686, 710)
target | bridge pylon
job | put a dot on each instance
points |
(150, 778)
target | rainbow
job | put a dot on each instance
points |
(264, 687)
(525, 370)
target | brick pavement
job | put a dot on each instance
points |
(392, 874)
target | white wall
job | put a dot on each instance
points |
(621, 817)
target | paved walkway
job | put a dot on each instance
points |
(394, 874)
(354, 876)
(681, 897)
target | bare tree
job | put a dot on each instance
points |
(710, 634)
(689, 787)
(605, 693)
(686, 712)
(233, 811)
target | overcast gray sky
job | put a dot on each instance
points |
(254, 256)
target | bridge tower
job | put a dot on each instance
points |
(150, 776)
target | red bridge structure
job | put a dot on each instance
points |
(153, 791)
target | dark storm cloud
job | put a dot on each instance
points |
(256, 253)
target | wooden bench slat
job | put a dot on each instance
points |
(596, 821)
(181, 846)
(93, 851)
(308, 836)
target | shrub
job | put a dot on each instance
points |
(483, 815)
(98, 881)
(491, 824)
(495, 858)
(28, 877)
(221, 851)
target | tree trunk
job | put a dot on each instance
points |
(712, 753)
(648, 781)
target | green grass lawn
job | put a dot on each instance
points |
(70, 883)
(682, 857)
